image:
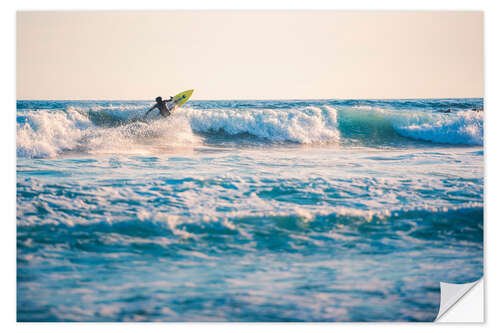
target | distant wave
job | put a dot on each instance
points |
(462, 127)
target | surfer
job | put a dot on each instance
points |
(162, 106)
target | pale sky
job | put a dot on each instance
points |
(249, 54)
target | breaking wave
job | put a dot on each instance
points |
(307, 125)
(119, 129)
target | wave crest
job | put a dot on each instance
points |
(464, 127)
(48, 133)
(307, 125)
(378, 125)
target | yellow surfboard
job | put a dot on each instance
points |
(179, 99)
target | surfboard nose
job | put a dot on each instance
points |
(183, 97)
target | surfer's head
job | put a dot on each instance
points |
(158, 99)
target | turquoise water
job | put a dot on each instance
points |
(324, 210)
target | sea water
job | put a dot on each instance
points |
(286, 210)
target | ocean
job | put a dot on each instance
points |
(247, 210)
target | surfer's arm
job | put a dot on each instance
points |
(152, 108)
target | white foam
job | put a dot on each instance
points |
(307, 125)
(139, 137)
(464, 127)
(49, 133)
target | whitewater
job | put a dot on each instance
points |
(247, 210)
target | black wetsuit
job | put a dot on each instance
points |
(163, 108)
